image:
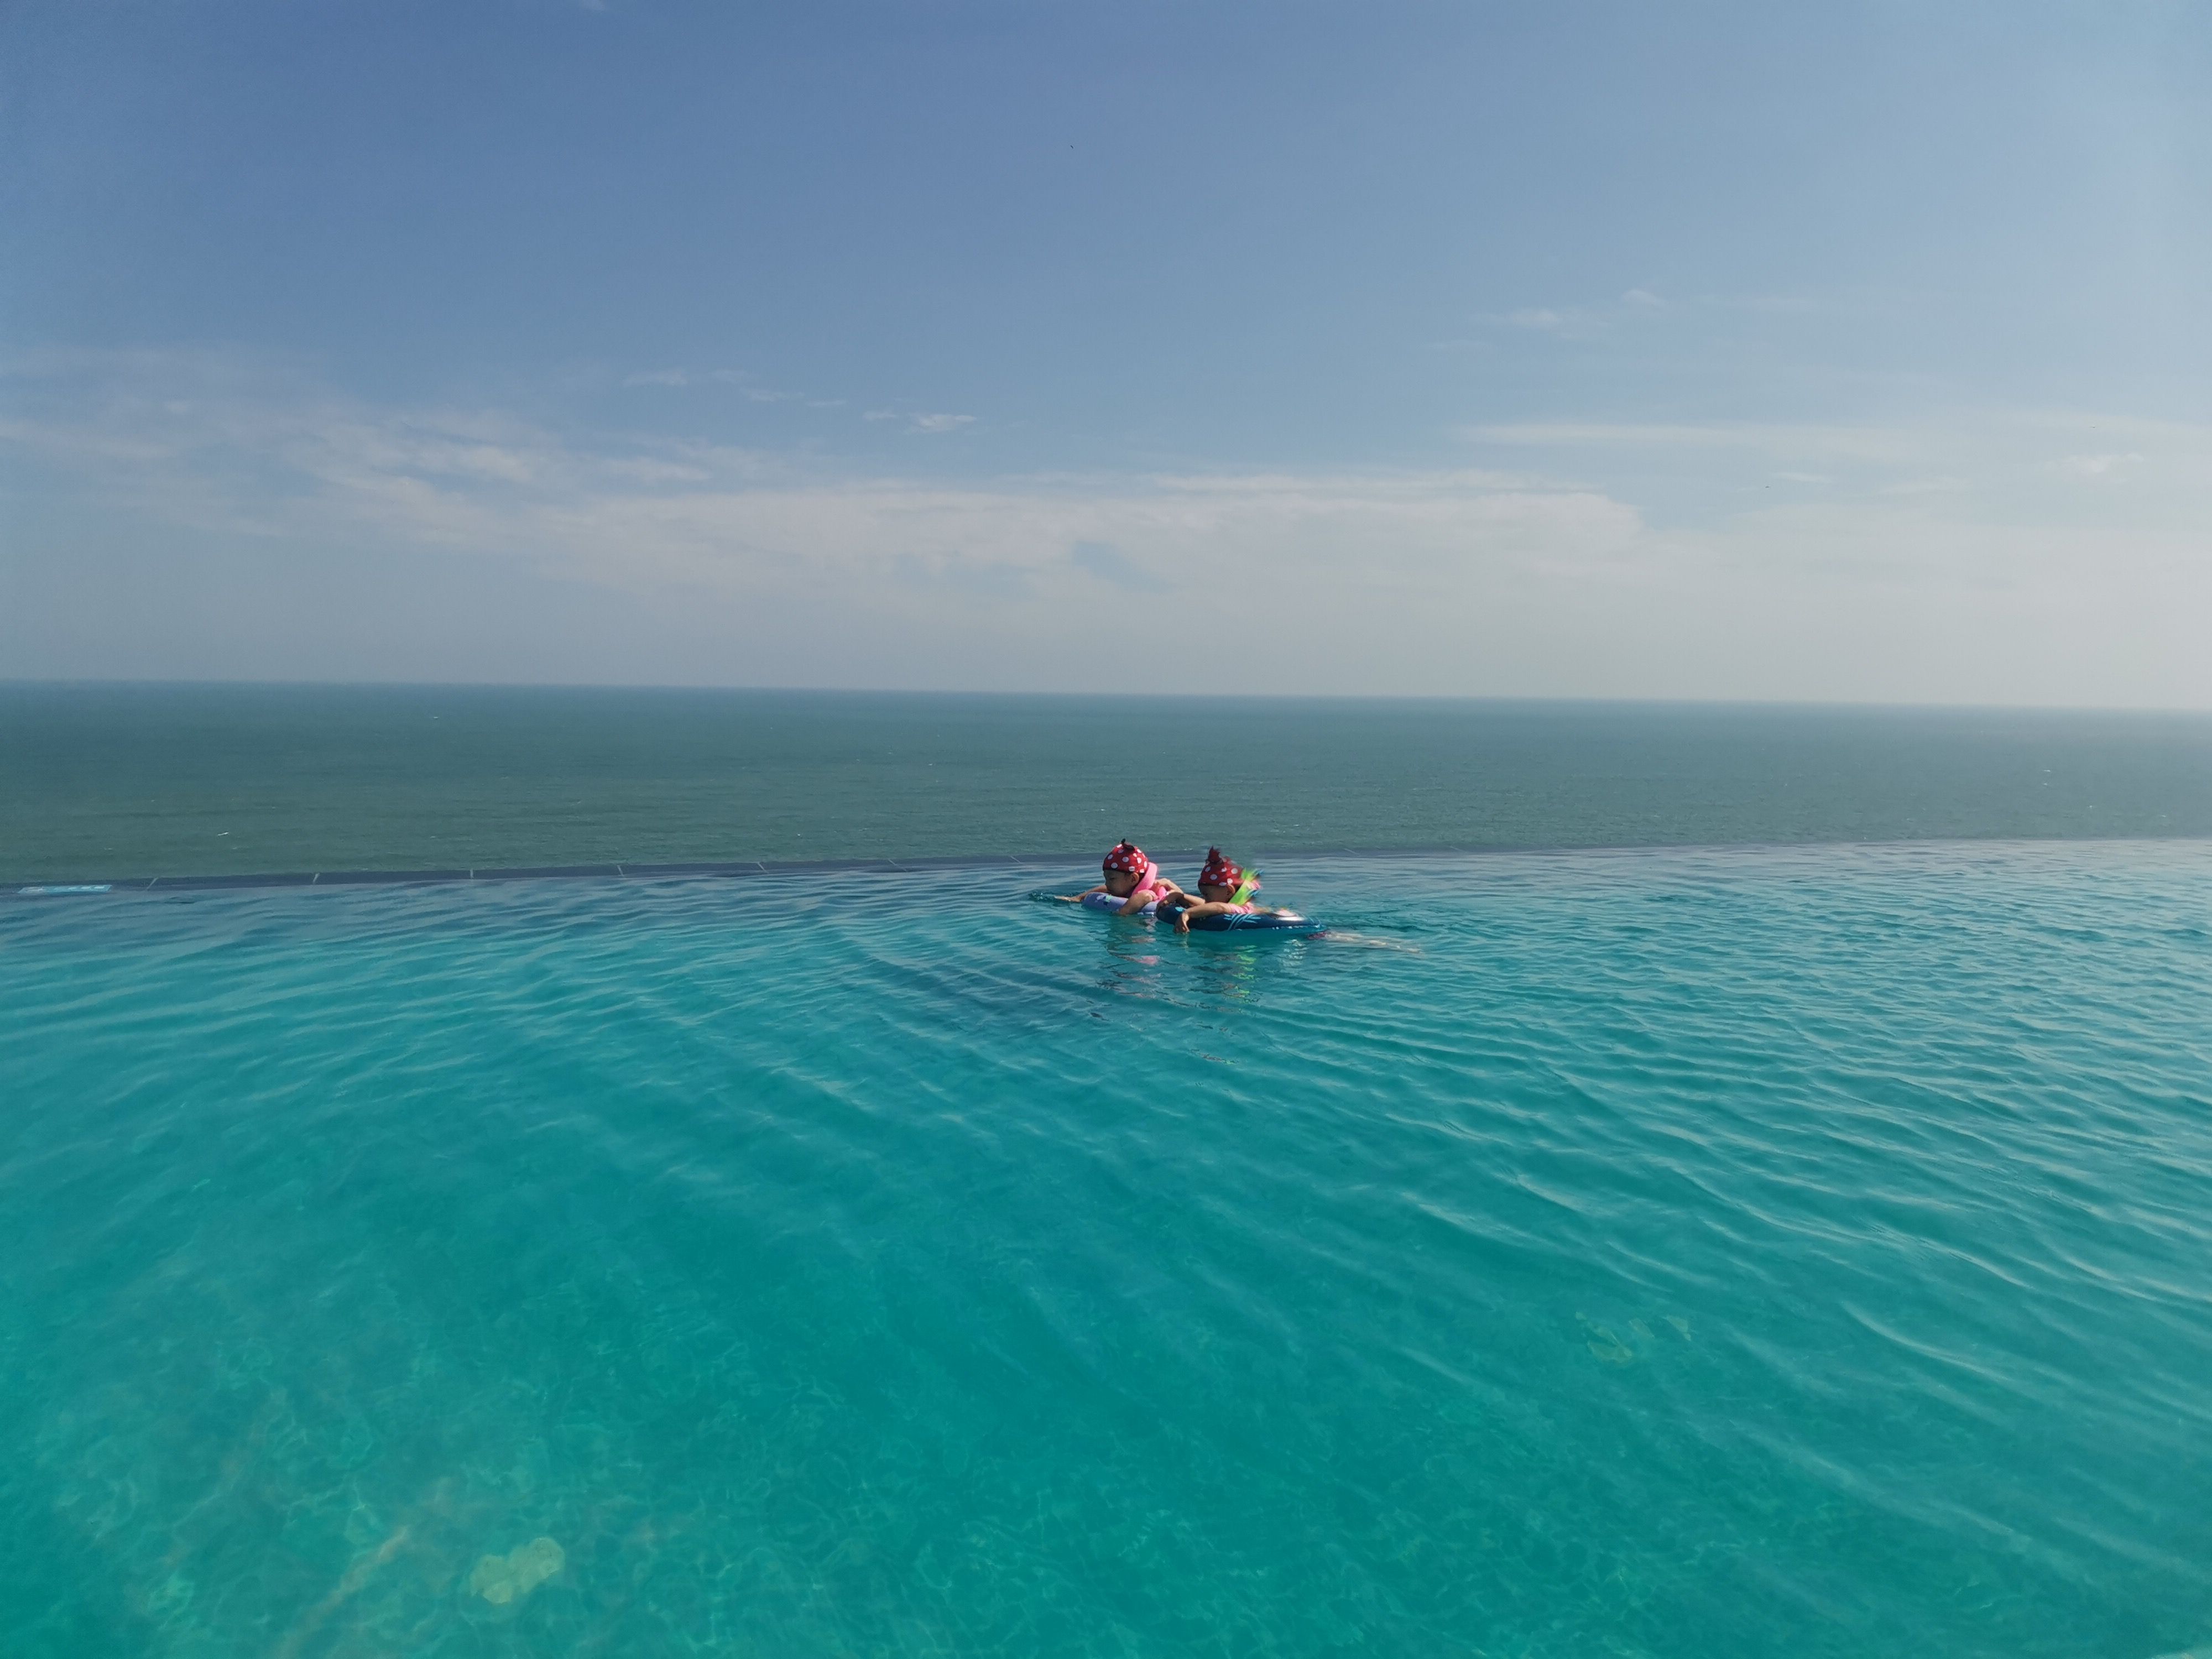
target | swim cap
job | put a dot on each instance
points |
(1127, 856)
(1219, 872)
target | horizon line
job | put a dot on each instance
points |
(1551, 699)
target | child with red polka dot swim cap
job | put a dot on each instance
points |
(1130, 877)
(1225, 889)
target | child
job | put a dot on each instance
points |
(1131, 876)
(1224, 889)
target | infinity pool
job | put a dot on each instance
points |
(1661, 1254)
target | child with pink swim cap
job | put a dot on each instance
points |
(1130, 877)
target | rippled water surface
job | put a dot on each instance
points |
(1658, 1254)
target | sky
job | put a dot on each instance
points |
(1859, 352)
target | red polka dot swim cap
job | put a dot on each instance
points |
(1127, 856)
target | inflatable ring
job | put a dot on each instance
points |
(1112, 906)
(1277, 923)
(1264, 922)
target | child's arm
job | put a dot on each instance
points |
(1150, 889)
(1208, 908)
(1138, 898)
(1078, 898)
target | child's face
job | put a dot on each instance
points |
(1213, 894)
(1119, 882)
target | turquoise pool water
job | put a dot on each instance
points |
(1664, 1253)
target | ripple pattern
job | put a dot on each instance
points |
(1663, 1254)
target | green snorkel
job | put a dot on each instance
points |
(1246, 888)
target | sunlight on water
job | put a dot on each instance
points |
(1661, 1254)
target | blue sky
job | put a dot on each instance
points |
(1854, 352)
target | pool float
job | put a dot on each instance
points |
(1275, 921)
(1268, 921)
(1112, 906)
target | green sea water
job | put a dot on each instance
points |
(119, 781)
(1674, 1254)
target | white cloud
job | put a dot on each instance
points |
(1579, 322)
(1115, 568)
(1925, 567)
(1766, 437)
(2100, 466)
(921, 423)
(745, 384)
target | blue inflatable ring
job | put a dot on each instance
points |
(1254, 924)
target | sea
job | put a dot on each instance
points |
(1712, 1181)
